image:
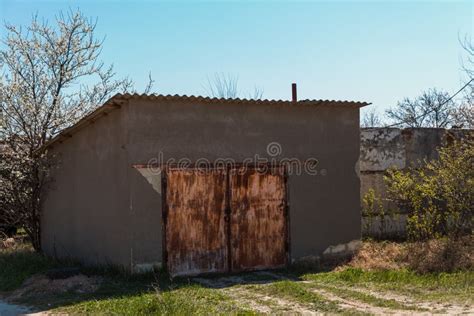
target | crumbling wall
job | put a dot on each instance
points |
(382, 148)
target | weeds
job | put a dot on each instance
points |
(187, 300)
(296, 291)
(155, 293)
(19, 264)
(437, 255)
(399, 278)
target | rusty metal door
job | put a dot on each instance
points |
(195, 227)
(258, 221)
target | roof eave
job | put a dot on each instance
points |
(112, 104)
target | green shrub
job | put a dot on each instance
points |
(372, 207)
(439, 195)
(377, 218)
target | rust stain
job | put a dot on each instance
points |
(258, 220)
(218, 221)
(195, 224)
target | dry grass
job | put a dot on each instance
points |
(379, 256)
(440, 255)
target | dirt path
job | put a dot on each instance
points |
(233, 287)
(434, 307)
(264, 303)
(429, 306)
(245, 291)
(360, 306)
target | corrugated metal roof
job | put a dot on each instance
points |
(117, 100)
(201, 99)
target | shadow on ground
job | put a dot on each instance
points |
(23, 281)
(121, 285)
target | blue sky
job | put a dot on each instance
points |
(376, 51)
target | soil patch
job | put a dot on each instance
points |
(42, 286)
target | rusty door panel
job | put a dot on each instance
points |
(195, 222)
(258, 221)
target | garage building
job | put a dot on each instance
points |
(201, 185)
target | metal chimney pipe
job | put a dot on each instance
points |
(294, 97)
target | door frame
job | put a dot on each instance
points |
(228, 233)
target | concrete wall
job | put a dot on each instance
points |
(103, 209)
(382, 148)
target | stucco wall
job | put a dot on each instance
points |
(324, 210)
(85, 213)
(103, 210)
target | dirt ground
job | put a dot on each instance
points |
(41, 285)
(379, 280)
(253, 298)
(42, 288)
(256, 292)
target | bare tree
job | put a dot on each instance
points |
(43, 71)
(149, 86)
(468, 63)
(226, 86)
(464, 115)
(432, 109)
(371, 118)
(257, 93)
(222, 86)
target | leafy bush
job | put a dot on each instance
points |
(439, 195)
(378, 221)
(372, 207)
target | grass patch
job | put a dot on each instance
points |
(297, 292)
(463, 279)
(363, 297)
(119, 292)
(187, 300)
(19, 264)
(457, 286)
